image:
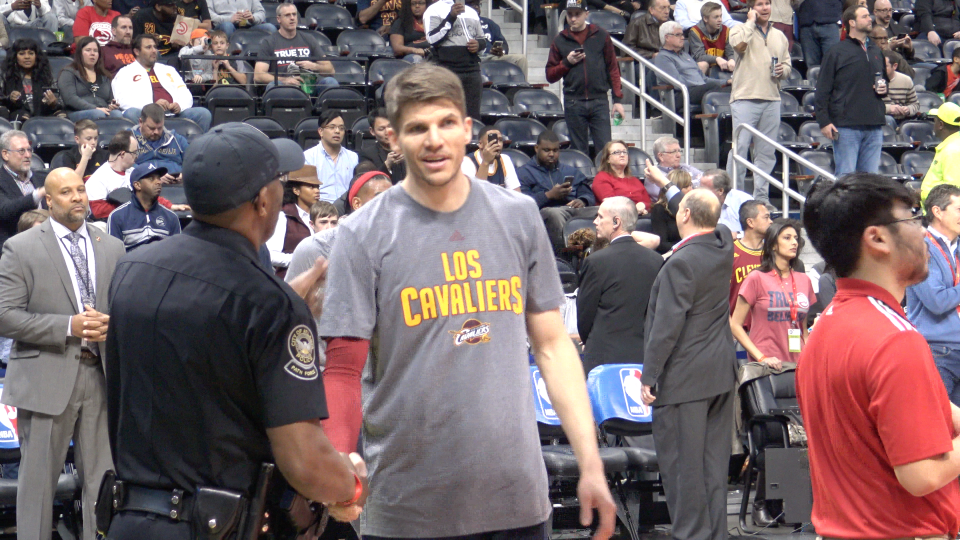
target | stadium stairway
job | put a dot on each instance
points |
(537, 51)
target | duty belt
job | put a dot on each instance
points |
(171, 504)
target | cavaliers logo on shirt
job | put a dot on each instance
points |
(472, 332)
(302, 348)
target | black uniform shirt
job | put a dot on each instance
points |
(205, 351)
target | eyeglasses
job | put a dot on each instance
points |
(914, 219)
(887, 10)
(335, 128)
(22, 151)
(618, 153)
(680, 35)
(677, 151)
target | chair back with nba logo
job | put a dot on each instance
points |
(548, 423)
(9, 441)
(615, 391)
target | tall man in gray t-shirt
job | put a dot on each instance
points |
(448, 276)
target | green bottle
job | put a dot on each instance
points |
(617, 118)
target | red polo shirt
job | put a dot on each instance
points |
(872, 399)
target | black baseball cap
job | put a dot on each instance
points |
(229, 164)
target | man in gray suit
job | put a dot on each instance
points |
(53, 301)
(688, 371)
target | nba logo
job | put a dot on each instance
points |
(543, 400)
(8, 423)
(632, 392)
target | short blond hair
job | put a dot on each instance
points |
(422, 83)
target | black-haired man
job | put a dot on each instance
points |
(383, 157)
(143, 220)
(562, 193)
(879, 469)
(334, 163)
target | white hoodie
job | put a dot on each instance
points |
(132, 88)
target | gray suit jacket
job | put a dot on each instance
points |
(36, 302)
(688, 352)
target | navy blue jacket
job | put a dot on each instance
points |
(819, 12)
(536, 180)
(136, 227)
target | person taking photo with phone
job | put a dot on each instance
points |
(488, 162)
(561, 192)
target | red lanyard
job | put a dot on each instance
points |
(685, 240)
(793, 301)
(953, 266)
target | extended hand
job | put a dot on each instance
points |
(307, 285)
(352, 512)
(180, 207)
(654, 174)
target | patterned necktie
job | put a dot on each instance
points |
(88, 296)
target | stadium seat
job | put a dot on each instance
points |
(954, 98)
(788, 138)
(187, 128)
(578, 160)
(328, 18)
(494, 106)
(518, 158)
(49, 135)
(538, 103)
(349, 102)
(920, 131)
(477, 127)
(637, 160)
(949, 46)
(575, 225)
(382, 70)
(613, 23)
(363, 44)
(915, 163)
(809, 102)
(768, 404)
(820, 158)
(247, 40)
(108, 127)
(270, 127)
(810, 132)
(908, 20)
(45, 38)
(562, 132)
(348, 72)
(890, 167)
(924, 51)
(306, 133)
(270, 11)
(37, 164)
(894, 143)
(928, 100)
(790, 111)
(322, 40)
(360, 133)
(287, 105)
(175, 193)
(521, 132)
(503, 75)
(57, 63)
(920, 74)
(229, 103)
(717, 123)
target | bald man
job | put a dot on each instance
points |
(689, 381)
(53, 303)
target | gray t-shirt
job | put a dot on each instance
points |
(449, 429)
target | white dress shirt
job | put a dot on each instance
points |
(86, 245)
(275, 243)
(730, 209)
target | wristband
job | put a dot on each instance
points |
(761, 359)
(357, 493)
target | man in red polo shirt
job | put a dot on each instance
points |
(882, 434)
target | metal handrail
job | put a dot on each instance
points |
(523, 19)
(788, 155)
(641, 92)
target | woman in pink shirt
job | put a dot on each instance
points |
(614, 178)
(777, 297)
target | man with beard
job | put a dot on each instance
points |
(53, 303)
(119, 51)
(883, 19)
(143, 219)
(882, 434)
(850, 92)
(384, 158)
(334, 163)
(159, 22)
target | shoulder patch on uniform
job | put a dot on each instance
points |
(302, 347)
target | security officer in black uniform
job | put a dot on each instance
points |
(211, 361)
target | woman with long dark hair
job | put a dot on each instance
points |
(776, 297)
(85, 84)
(407, 37)
(300, 192)
(28, 82)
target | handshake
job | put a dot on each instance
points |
(308, 517)
(348, 511)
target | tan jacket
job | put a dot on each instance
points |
(751, 78)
